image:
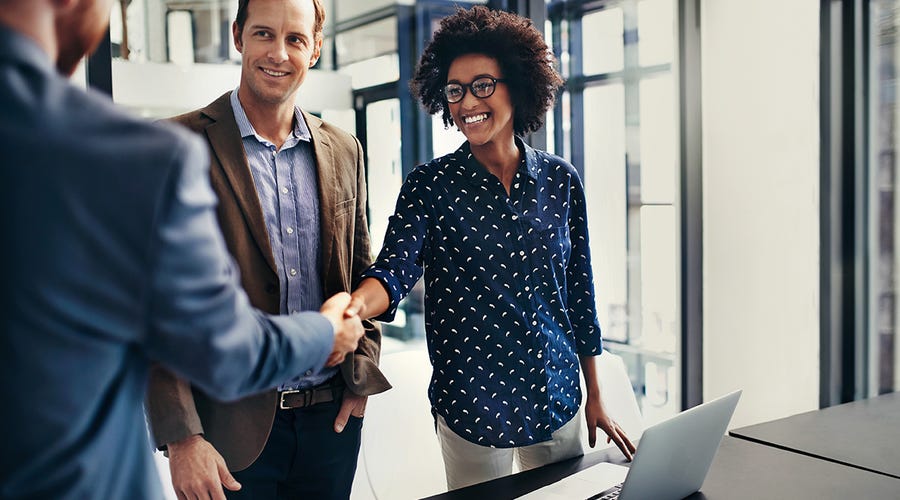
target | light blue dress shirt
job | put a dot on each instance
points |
(287, 184)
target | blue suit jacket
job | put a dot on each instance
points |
(112, 260)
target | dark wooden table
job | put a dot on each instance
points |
(741, 470)
(863, 434)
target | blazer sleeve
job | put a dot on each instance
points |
(169, 403)
(171, 412)
(361, 373)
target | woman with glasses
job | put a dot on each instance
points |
(500, 231)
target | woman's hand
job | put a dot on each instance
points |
(596, 416)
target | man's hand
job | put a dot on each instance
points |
(348, 329)
(198, 470)
(596, 416)
(351, 405)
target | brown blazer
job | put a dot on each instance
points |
(239, 430)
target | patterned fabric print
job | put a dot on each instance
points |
(509, 294)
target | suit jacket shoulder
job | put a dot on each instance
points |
(199, 119)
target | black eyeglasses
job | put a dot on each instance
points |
(482, 88)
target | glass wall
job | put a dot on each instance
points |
(385, 177)
(366, 50)
(884, 218)
(617, 123)
(183, 31)
(368, 53)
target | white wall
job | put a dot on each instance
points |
(761, 198)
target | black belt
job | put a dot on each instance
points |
(324, 393)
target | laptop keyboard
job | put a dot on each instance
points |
(610, 494)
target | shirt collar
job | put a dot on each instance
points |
(531, 161)
(477, 174)
(301, 129)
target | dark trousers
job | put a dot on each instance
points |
(304, 458)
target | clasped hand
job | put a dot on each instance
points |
(348, 328)
(347, 331)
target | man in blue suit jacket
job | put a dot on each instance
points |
(113, 260)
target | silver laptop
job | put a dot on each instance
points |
(674, 456)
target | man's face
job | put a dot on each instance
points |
(79, 31)
(277, 48)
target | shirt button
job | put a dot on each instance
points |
(515, 217)
(290, 230)
(527, 288)
(284, 190)
(522, 253)
(293, 272)
(308, 373)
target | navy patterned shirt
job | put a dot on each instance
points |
(509, 294)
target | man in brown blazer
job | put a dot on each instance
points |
(292, 207)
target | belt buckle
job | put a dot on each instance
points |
(306, 398)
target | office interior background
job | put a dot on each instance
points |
(738, 157)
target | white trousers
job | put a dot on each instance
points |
(467, 463)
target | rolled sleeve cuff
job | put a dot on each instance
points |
(391, 285)
(590, 343)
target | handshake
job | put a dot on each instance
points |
(347, 327)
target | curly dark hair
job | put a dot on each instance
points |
(527, 63)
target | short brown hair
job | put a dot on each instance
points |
(519, 48)
(318, 28)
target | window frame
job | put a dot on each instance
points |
(844, 232)
(685, 69)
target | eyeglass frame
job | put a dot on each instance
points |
(468, 87)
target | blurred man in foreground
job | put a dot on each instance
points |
(112, 260)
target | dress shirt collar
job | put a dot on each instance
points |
(478, 175)
(301, 130)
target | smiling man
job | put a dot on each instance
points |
(292, 209)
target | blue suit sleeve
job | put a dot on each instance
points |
(201, 325)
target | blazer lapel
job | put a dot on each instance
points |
(327, 176)
(225, 140)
